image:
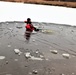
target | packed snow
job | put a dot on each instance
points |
(10, 11)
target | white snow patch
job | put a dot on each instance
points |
(40, 13)
(2, 57)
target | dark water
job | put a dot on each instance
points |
(50, 37)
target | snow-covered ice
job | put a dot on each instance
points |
(40, 13)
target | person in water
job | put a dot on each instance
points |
(29, 28)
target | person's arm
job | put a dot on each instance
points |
(25, 21)
(35, 29)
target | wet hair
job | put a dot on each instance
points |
(28, 21)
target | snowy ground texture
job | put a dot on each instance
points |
(41, 13)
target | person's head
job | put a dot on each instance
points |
(28, 21)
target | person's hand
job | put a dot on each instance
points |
(25, 21)
(36, 29)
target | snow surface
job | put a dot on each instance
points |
(10, 11)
